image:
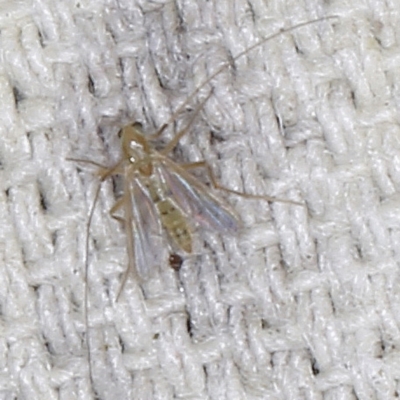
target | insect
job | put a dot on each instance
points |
(161, 196)
(162, 200)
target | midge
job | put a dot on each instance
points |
(161, 200)
(161, 196)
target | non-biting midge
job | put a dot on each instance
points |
(162, 202)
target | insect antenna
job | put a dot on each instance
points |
(175, 140)
(86, 276)
(227, 64)
(107, 172)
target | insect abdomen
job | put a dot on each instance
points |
(175, 223)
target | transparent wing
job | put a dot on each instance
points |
(195, 200)
(146, 229)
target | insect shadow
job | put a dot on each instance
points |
(161, 200)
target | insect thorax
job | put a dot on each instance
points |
(134, 144)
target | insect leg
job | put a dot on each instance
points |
(104, 172)
(174, 141)
(156, 135)
(170, 146)
(193, 165)
(126, 203)
(110, 171)
(217, 185)
(79, 160)
(118, 204)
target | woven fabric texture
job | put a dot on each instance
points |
(303, 302)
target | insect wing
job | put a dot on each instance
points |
(147, 229)
(193, 198)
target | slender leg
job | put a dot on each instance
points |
(110, 171)
(118, 204)
(193, 165)
(174, 141)
(217, 185)
(173, 118)
(158, 133)
(130, 240)
(104, 172)
(79, 160)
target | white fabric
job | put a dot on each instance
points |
(303, 303)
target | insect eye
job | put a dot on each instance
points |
(138, 126)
